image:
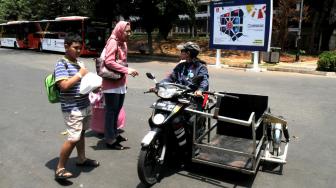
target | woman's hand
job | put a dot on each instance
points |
(152, 89)
(133, 72)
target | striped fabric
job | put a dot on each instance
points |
(70, 99)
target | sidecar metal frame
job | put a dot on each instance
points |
(240, 142)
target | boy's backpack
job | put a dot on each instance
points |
(53, 91)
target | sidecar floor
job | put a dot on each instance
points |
(228, 158)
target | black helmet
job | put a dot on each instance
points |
(192, 47)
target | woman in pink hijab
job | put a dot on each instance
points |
(114, 53)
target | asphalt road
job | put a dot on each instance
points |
(30, 128)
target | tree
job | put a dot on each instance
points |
(108, 11)
(14, 10)
(148, 12)
(286, 15)
(169, 12)
(323, 23)
(44, 9)
(191, 12)
(330, 26)
(167, 16)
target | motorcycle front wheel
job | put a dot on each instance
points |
(148, 163)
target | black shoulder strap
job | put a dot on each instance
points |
(117, 53)
(64, 63)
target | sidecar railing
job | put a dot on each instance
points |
(240, 141)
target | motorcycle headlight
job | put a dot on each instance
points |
(158, 119)
(166, 93)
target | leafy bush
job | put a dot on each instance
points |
(327, 61)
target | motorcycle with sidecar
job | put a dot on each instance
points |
(228, 130)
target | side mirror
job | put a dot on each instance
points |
(150, 76)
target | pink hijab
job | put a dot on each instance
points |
(118, 31)
(117, 44)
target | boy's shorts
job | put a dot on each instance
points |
(76, 121)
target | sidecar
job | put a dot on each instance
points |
(241, 133)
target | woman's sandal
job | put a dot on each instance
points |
(61, 174)
(121, 138)
(88, 163)
(116, 146)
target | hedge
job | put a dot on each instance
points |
(327, 61)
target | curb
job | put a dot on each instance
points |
(287, 69)
(173, 59)
(297, 70)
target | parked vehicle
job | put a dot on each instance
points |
(49, 35)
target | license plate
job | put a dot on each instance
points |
(168, 106)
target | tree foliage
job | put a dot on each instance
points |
(169, 10)
(287, 16)
(108, 11)
(44, 9)
(163, 14)
(160, 14)
(14, 9)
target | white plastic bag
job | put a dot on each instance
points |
(90, 82)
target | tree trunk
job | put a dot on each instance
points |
(150, 42)
(319, 19)
(312, 48)
(326, 37)
(283, 31)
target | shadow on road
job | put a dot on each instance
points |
(71, 167)
(217, 176)
(211, 175)
(141, 185)
(64, 182)
(101, 145)
(94, 134)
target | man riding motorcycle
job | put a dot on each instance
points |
(189, 68)
(185, 73)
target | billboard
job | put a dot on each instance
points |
(241, 25)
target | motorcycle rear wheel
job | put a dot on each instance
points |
(148, 164)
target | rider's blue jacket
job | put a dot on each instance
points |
(184, 72)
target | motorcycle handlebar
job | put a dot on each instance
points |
(193, 95)
(178, 85)
(221, 94)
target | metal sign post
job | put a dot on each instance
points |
(218, 56)
(218, 61)
(256, 59)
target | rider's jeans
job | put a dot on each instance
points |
(113, 104)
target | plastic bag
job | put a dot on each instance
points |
(89, 83)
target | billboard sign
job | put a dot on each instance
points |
(241, 25)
